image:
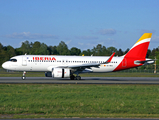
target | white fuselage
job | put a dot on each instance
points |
(46, 63)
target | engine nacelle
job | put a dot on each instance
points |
(58, 73)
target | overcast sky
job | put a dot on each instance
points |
(79, 23)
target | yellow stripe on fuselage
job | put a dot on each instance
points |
(144, 36)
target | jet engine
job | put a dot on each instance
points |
(58, 73)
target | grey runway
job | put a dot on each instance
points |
(86, 119)
(85, 80)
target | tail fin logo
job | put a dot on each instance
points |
(140, 48)
(136, 56)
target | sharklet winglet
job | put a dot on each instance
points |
(109, 60)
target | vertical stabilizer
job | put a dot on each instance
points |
(139, 50)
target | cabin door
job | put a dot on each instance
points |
(24, 61)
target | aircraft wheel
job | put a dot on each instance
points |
(78, 77)
(23, 77)
(72, 77)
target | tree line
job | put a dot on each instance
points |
(37, 48)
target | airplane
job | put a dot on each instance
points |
(66, 66)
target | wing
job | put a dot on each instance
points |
(88, 65)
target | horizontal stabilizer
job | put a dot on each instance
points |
(147, 61)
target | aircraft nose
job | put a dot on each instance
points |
(5, 65)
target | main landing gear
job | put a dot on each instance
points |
(72, 77)
(23, 77)
(78, 77)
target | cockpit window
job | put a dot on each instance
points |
(13, 60)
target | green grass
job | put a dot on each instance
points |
(37, 101)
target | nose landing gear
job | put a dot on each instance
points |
(23, 77)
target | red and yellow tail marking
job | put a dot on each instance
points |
(137, 52)
(144, 36)
(140, 48)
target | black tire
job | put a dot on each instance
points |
(23, 77)
(72, 77)
(78, 77)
